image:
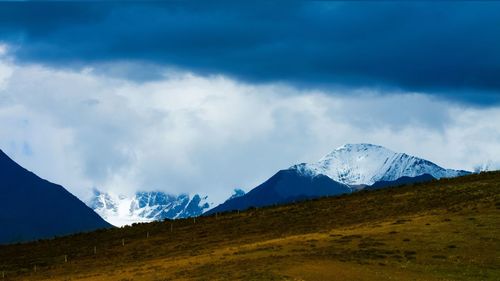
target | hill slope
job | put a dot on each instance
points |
(33, 208)
(443, 230)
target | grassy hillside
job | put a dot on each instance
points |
(444, 230)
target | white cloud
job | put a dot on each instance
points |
(5, 69)
(187, 133)
(3, 49)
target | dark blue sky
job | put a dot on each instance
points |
(447, 49)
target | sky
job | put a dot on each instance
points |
(198, 98)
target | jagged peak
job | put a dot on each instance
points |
(145, 206)
(365, 163)
(358, 146)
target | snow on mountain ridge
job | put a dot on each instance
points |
(146, 206)
(356, 164)
(102, 201)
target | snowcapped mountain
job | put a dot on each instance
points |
(366, 164)
(347, 169)
(146, 206)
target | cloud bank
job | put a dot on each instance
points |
(446, 49)
(184, 132)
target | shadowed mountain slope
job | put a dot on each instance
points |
(402, 181)
(284, 187)
(33, 208)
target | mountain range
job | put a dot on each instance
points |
(146, 206)
(49, 210)
(349, 168)
(33, 208)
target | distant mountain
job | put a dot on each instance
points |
(146, 206)
(349, 168)
(356, 164)
(284, 187)
(33, 208)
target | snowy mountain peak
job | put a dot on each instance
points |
(146, 206)
(359, 149)
(102, 201)
(359, 146)
(365, 164)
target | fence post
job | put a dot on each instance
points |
(171, 227)
(147, 234)
(95, 250)
(65, 258)
(123, 241)
(35, 268)
(194, 219)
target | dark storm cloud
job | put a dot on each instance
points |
(449, 49)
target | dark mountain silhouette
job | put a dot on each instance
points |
(284, 187)
(402, 181)
(33, 208)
